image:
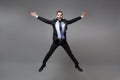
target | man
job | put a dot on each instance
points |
(59, 36)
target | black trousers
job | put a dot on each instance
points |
(66, 47)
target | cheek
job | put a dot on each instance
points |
(60, 16)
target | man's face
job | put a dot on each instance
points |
(59, 15)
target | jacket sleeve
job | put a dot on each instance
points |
(44, 20)
(73, 20)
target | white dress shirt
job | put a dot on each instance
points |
(58, 28)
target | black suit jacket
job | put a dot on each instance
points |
(52, 22)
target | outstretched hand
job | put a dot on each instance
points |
(84, 14)
(33, 13)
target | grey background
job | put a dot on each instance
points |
(94, 40)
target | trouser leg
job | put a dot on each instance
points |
(69, 52)
(48, 55)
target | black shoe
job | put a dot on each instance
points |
(77, 67)
(41, 68)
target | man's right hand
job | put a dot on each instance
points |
(34, 14)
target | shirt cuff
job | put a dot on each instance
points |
(82, 16)
(36, 16)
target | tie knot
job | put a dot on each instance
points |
(60, 21)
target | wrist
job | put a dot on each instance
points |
(36, 16)
(82, 16)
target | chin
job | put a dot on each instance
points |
(59, 18)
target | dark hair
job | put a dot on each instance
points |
(59, 12)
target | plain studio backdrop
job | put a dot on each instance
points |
(94, 40)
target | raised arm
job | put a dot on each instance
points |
(77, 18)
(34, 14)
